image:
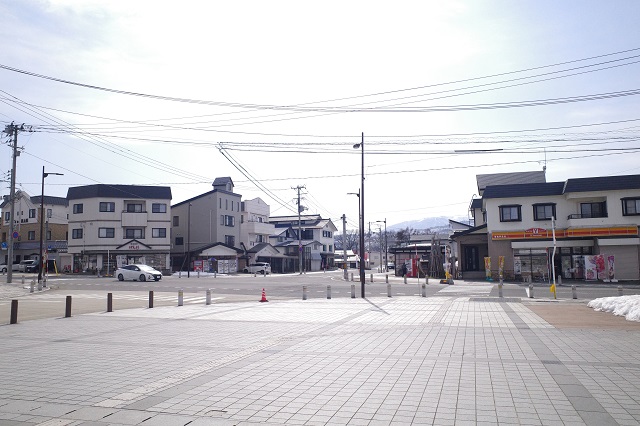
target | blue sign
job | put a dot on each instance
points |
(15, 234)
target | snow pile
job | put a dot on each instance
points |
(627, 306)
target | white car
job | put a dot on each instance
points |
(138, 273)
(14, 267)
(257, 268)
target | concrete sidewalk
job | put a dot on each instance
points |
(461, 357)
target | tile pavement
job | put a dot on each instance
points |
(461, 357)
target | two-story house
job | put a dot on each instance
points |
(112, 225)
(315, 241)
(205, 230)
(254, 224)
(594, 220)
(27, 227)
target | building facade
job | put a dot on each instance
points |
(27, 227)
(112, 225)
(587, 229)
(204, 221)
(255, 228)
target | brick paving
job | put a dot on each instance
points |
(460, 357)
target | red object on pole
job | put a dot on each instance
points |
(264, 296)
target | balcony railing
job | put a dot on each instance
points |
(585, 216)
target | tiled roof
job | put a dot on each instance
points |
(484, 181)
(605, 183)
(523, 190)
(119, 191)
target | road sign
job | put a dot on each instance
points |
(15, 234)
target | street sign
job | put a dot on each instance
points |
(15, 234)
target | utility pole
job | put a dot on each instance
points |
(344, 245)
(12, 131)
(300, 209)
(369, 238)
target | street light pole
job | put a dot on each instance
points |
(361, 146)
(189, 241)
(40, 259)
(386, 253)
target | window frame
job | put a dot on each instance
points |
(160, 234)
(78, 208)
(134, 210)
(32, 213)
(106, 232)
(127, 232)
(603, 207)
(31, 235)
(503, 208)
(104, 206)
(553, 211)
(158, 208)
(76, 234)
(625, 210)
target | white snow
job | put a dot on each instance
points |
(627, 306)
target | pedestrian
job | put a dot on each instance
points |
(404, 269)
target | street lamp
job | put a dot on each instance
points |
(189, 240)
(43, 264)
(386, 254)
(357, 194)
(361, 146)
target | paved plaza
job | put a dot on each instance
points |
(461, 357)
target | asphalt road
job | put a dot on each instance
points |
(89, 293)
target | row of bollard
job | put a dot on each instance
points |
(353, 291)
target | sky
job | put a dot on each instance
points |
(276, 94)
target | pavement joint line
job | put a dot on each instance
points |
(143, 391)
(556, 367)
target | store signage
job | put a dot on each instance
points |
(134, 247)
(535, 233)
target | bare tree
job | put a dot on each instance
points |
(351, 242)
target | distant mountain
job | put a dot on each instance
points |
(426, 223)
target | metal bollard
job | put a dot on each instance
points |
(304, 292)
(208, 300)
(39, 285)
(179, 274)
(109, 302)
(619, 290)
(424, 290)
(386, 278)
(14, 312)
(23, 280)
(500, 289)
(353, 291)
(530, 291)
(388, 290)
(150, 298)
(405, 279)
(67, 309)
(44, 281)
(33, 286)
(574, 292)
(559, 279)
(215, 274)
(198, 273)
(352, 276)
(371, 278)
(180, 297)
(328, 292)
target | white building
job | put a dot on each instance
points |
(255, 228)
(110, 225)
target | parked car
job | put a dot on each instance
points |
(258, 268)
(14, 267)
(138, 273)
(29, 265)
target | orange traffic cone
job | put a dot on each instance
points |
(264, 296)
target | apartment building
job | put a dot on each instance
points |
(112, 225)
(27, 227)
(591, 222)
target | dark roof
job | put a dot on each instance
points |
(222, 181)
(476, 203)
(468, 231)
(50, 200)
(523, 190)
(119, 191)
(605, 183)
(484, 181)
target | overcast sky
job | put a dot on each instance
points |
(275, 94)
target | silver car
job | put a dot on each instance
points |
(258, 268)
(138, 273)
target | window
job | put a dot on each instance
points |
(31, 235)
(77, 208)
(326, 234)
(176, 221)
(307, 234)
(179, 241)
(230, 240)
(158, 208)
(48, 235)
(76, 233)
(330, 248)
(228, 220)
(588, 210)
(32, 213)
(510, 213)
(50, 213)
(134, 233)
(134, 208)
(159, 232)
(106, 232)
(630, 206)
(7, 216)
(544, 211)
(107, 207)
